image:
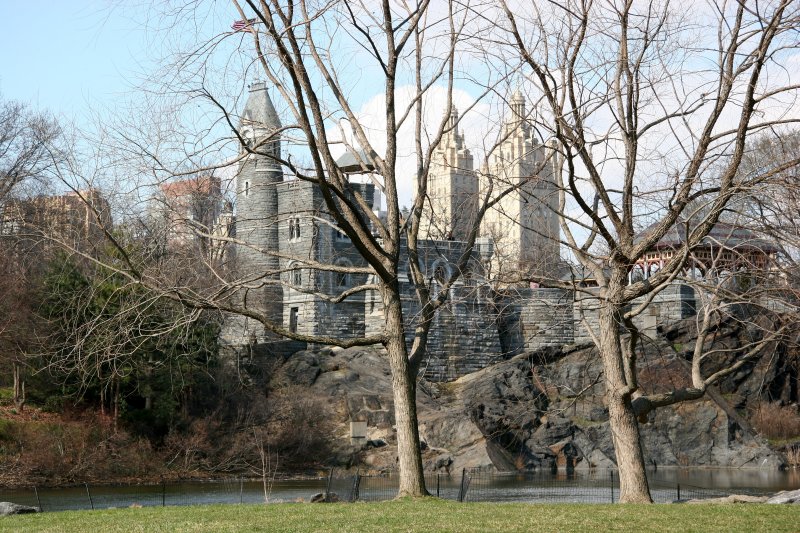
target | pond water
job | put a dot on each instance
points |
(667, 484)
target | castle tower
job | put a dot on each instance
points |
(524, 223)
(257, 206)
(450, 209)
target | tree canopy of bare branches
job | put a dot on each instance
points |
(652, 111)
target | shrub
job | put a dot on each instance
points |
(793, 456)
(774, 421)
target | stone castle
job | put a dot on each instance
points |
(286, 226)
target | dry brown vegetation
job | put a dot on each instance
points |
(43, 448)
(40, 447)
(776, 422)
(793, 456)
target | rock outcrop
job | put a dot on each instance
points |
(540, 410)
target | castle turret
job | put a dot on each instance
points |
(257, 204)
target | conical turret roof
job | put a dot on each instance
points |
(258, 111)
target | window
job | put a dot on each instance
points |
(294, 228)
(341, 236)
(247, 188)
(440, 273)
(293, 312)
(341, 280)
(297, 277)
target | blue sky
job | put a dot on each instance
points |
(65, 56)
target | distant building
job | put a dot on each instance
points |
(191, 214)
(523, 223)
(76, 220)
(451, 204)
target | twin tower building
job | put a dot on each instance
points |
(284, 230)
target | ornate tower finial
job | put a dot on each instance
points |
(453, 120)
(518, 106)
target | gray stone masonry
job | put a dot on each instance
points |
(676, 302)
(534, 318)
(464, 336)
(307, 231)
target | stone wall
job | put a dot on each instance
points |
(534, 318)
(676, 302)
(464, 336)
(586, 312)
(463, 339)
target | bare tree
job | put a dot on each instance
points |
(27, 146)
(407, 52)
(652, 112)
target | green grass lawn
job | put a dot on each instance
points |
(421, 515)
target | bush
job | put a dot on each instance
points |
(776, 422)
(793, 456)
(65, 451)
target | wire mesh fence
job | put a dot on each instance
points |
(87, 496)
(466, 486)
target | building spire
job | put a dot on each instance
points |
(258, 112)
(452, 122)
(518, 106)
(451, 136)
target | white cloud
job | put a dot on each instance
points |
(372, 117)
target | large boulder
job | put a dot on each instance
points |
(786, 496)
(8, 508)
(302, 368)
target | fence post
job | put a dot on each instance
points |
(328, 486)
(241, 489)
(89, 494)
(437, 484)
(356, 483)
(36, 491)
(462, 493)
(679, 492)
(163, 493)
(612, 486)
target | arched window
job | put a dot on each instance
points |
(295, 275)
(441, 271)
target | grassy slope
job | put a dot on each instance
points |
(428, 515)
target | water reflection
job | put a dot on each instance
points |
(667, 484)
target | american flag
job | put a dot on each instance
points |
(241, 25)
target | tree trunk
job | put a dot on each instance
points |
(622, 420)
(115, 399)
(102, 392)
(412, 480)
(19, 388)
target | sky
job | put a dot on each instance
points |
(68, 56)
(76, 57)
